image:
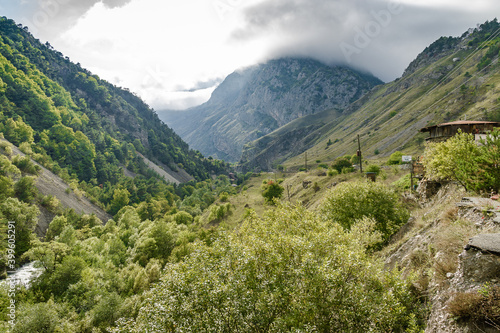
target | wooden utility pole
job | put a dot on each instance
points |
(411, 177)
(306, 161)
(359, 155)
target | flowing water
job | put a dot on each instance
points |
(24, 275)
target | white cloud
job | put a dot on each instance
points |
(153, 47)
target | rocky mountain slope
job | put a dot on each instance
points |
(455, 77)
(255, 101)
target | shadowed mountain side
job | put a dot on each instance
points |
(288, 141)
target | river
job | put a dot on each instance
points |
(24, 274)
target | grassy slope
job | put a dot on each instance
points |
(250, 195)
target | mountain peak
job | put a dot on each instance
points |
(257, 100)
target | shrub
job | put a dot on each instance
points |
(395, 158)
(373, 168)
(332, 172)
(25, 147)
(478, 306)
(41, 317)
(340, 164)
(218, 212)
(107, 310)
(5, 147)
(25, 189)
(461, 159)
(403, 183)
(26, 165)
(56, 227)
(51, 203)
(272, 191)
(182, 217)
(351, 201)
(224, 197)
(347, 170)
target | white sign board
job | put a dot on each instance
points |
(406, 159)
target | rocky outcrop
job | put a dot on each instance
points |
(258, 100)
(479, 266)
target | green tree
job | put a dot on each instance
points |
(271, 191)
(25, 218)
(68, 272)
(455, 159)
(342, 163)
(17, 131)
(395, 158)
(56, 227)
(41, 317)
(47, 254)
(120, 200)
(182, 218)
(373, 168)
(107, 310)
(6, 187)
(25, 189)
(349, 202)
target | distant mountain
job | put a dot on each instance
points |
(255, 101)
(453, 78)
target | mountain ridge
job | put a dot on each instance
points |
(259, 99)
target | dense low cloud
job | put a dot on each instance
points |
(379, 36)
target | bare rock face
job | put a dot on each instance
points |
(255, 101)
(487, 243)
(479, 264)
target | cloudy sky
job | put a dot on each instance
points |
(173, 53)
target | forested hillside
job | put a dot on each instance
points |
(83, 128)
(50, 93)
(95, 137)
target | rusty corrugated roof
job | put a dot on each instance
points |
(461, 122)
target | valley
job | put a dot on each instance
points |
(250, 213)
